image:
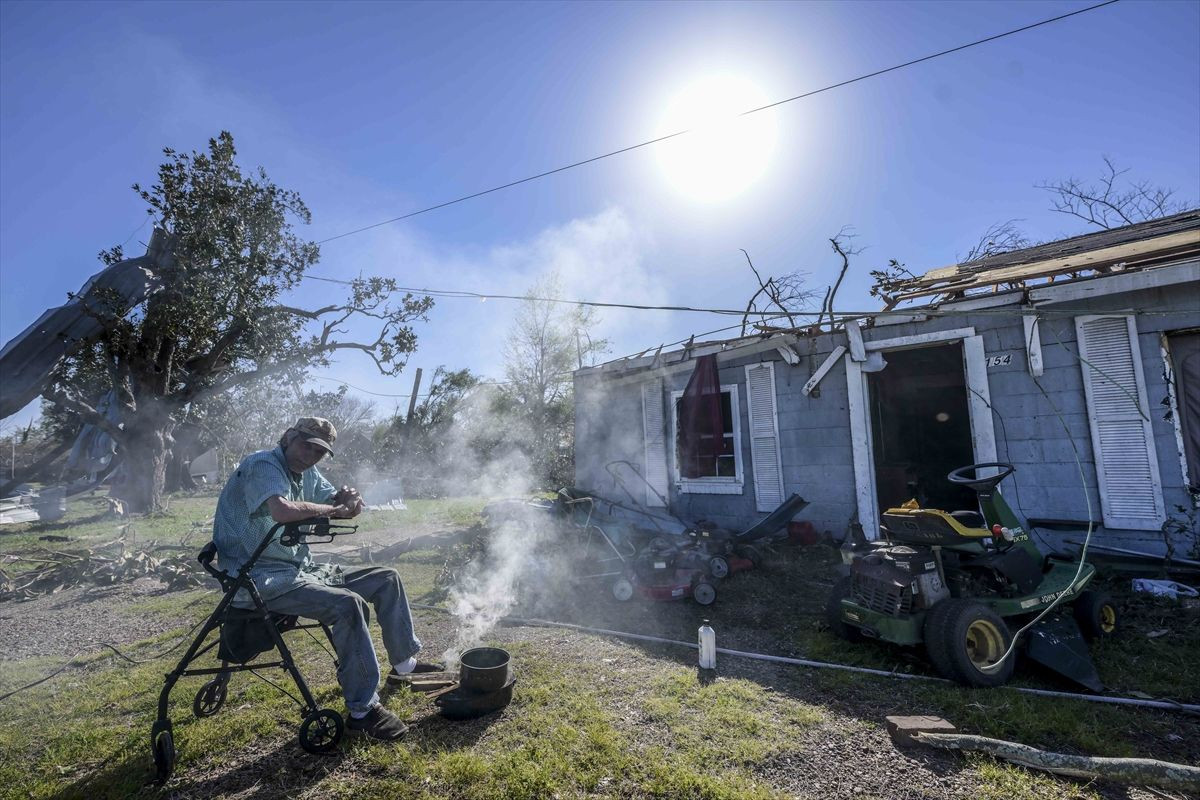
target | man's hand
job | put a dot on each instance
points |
(347, 510)
(349, 497)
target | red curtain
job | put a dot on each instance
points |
(701, 430)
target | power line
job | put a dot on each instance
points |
(757, 315)
(649, 142)
(364, 391)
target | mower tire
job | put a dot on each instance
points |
(934, 642)
(966, 637)
(1097, 615)
(704, 593)
(622, 589)
(750, 553)
(833, 612)
(718, 567)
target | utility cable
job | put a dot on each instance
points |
(656, 140)
(1070, 590)
(78, 653)
(762, 316)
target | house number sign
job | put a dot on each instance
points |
(999, 361)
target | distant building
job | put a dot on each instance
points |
(1081, 355)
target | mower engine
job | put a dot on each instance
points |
(897, 580)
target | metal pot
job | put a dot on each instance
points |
(483, 669)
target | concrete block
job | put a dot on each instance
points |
(904, 730)
(1018, 428)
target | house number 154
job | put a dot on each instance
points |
(999, 361)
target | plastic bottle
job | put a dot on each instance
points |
(708, 647)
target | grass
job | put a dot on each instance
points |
(608, 720)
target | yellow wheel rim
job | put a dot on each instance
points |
(985, 643)
(1108, 618)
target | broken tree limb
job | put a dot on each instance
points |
(1137, 771)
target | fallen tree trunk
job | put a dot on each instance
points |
(1136, 771)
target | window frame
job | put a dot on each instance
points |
(734, 484)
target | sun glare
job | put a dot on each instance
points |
(725, 153)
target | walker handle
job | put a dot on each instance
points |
(296, 532)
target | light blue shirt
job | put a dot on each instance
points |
(243, 519)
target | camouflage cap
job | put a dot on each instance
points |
(318, 431)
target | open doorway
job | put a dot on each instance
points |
(921, 427)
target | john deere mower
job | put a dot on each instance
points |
(962, 583)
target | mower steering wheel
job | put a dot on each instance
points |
(966, 476)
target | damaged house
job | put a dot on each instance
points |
(1076, 361)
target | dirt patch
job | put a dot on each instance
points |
(74, 620)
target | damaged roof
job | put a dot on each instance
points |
(1080, 258)
(1119, 249)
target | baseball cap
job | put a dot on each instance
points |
(318, 431)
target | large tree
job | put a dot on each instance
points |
(547, 341)
(217, 319)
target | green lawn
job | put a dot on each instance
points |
(592, 716)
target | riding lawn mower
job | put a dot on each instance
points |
(962, 583)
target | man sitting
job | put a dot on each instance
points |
(284, 485)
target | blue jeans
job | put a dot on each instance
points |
(344, 610)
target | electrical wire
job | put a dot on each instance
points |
(669, 136)
(365, 391)
(1087, 497)
(762, 316)
(78, 653)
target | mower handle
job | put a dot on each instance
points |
(961, 478)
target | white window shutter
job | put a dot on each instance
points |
(655, 443)
(764, 437)
(1122, 439)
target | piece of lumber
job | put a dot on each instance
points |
(824, 368)
(1136, 771)
(904, 730)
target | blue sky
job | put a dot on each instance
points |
(372, 110)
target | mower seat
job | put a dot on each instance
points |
(915, 525)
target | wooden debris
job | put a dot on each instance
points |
(432, 681)
(904, 730)
(1132, 771)
(58, 570)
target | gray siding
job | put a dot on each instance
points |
(1041, 430)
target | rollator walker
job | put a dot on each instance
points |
(244, 634)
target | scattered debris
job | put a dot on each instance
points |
(937, 732)
(1172, 589)
(58, 570)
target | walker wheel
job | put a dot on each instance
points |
(704, 593)
(210, 698)
(163, 746)
(321, 731)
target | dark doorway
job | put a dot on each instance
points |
(921, 428)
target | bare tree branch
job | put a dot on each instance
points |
(1106, 205)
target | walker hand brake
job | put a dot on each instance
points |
(296, 532)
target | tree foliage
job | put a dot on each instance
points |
(216, 320)
(434, 453)
(548, 340)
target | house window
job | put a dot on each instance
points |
(716, 474)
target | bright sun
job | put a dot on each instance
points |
(725, 153)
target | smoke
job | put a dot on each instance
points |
(525, 564)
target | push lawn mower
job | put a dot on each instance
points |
(962, 582)
(691, 564)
